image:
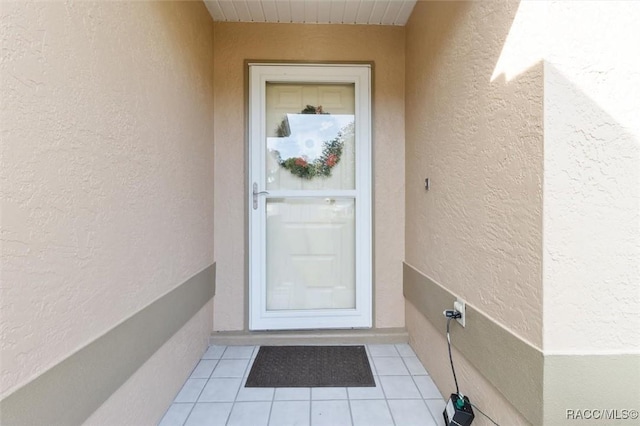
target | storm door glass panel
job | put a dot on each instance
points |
(310, 212)
(310, 260)
(310, 136)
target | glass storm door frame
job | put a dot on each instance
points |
(260, 318)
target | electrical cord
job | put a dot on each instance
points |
(455, 379)
(453, 370)
(490, 419)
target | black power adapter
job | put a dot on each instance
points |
(458, 411)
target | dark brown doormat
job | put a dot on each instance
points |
(310, 366)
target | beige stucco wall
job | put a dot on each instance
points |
(592, 177)
(478, 231)
(497, 84)
(235, 43)
(591, 204)
(107, 169)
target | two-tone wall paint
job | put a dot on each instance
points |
(384, 46)
(107, 199)
(478, 231)
(591, 206)
(524, 116)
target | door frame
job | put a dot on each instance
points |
(361, 315)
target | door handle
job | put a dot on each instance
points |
(255, 195)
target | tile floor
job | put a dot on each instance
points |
(215, 394)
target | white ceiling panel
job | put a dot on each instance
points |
(297, 11)
(242, 9)
(405, 12)
(371, 12)
(391, 13)
(311, 11)
(255, 11)
(337, 11)
(377, 13)
(284, 11)
(214, 10)
(270, 11)
(350, 12)
(364, 11)
(229, 10)
(324, 12)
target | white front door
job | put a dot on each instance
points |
(309, 196)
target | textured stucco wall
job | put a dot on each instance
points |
(106, 170)
(236, 42)
(592, 177)
(478, 231)
(563, 82)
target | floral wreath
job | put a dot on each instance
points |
(321, 166)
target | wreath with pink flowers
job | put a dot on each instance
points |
(319, 167)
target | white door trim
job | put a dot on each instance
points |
(361, 316)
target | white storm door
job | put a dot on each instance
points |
(309, 197)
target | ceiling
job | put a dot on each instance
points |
(372, 12)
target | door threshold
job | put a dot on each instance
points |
(311, 337)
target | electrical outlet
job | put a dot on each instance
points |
(460, 306)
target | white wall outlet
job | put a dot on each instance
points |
(460, 306)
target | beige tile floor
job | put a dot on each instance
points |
(215, 394)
